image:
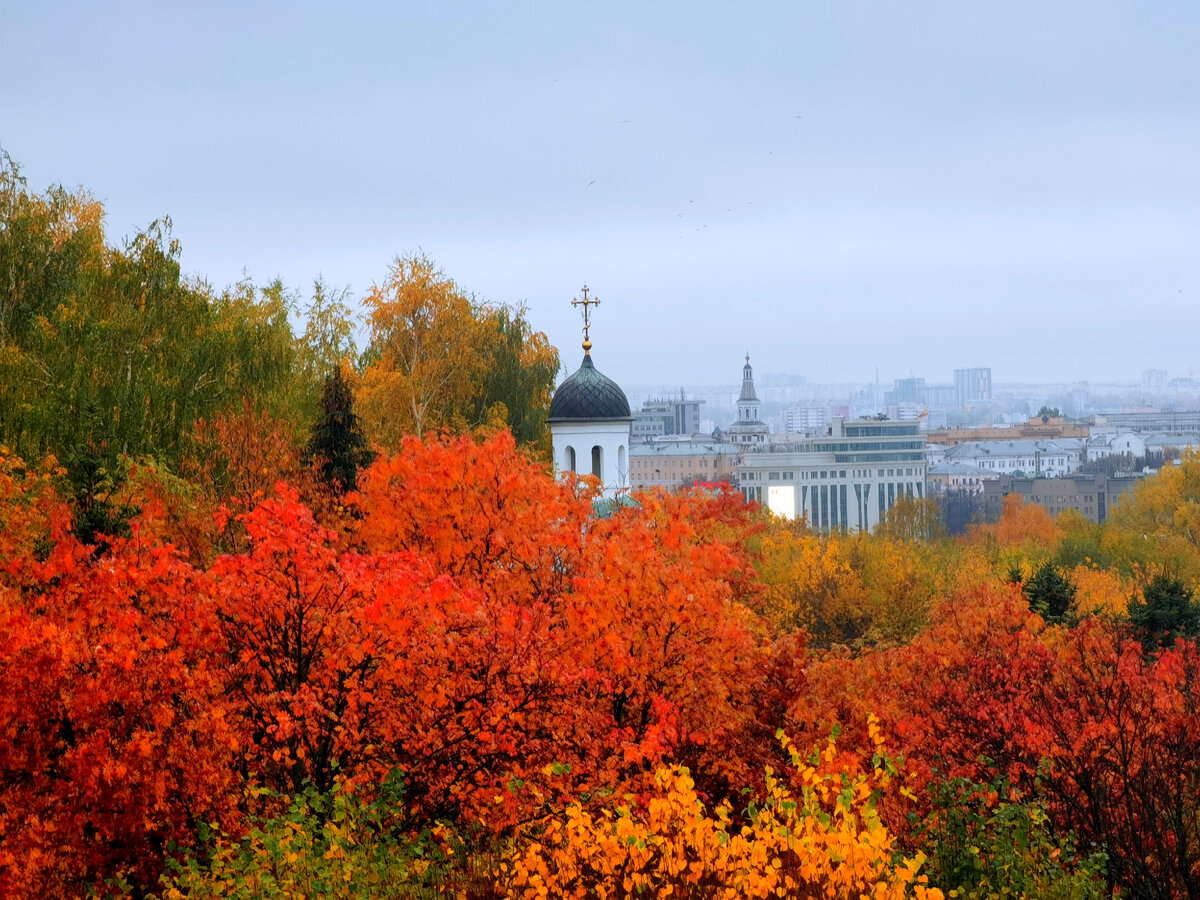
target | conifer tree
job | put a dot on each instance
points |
(337, 442)
(1166, 610)
(1050, 594)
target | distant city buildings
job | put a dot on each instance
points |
(847, 479)
(1045, 459)
(1154, 380)
(1167, 421)
(664, 416)
(805, 419)
(1092, 496)
(972, 385)
(907, 390)
(841, 456)
(957, 478)
(681, 463)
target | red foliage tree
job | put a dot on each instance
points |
(115, 739)
(1079, 716)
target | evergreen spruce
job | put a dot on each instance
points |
(1166, 610)
(1050, 594)
(337, 443)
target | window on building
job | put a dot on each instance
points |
(597, 454)
(569, 459)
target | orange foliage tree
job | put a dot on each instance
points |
(593, 646)
(1020, 524)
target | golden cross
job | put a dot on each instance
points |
(586, 302)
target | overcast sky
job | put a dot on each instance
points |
(834, 186)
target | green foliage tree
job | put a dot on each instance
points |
(110, 344)
(519, 370)
(328, 340)
(983, 847)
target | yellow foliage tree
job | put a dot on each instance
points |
(809, 584)
(1160, 523)
(1100, 590)
(422, 364)
(437, 359)
(901, 578)
(845, 588)
(821, 838)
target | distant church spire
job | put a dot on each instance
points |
(748, 394)
(748, 429)
(586, 302)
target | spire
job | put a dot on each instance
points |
(586, 302)
(747, 383)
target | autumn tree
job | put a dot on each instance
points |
(240, 455)
(301, 621)
(911, 519)
(1079, 719)
(600, 645)
(519, 371)
(327, 343)
(1021, 525)
(111, 344)
(116, 741)
(1160, 522)
(438, 359)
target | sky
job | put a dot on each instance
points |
(837, 188)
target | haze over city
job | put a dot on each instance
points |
(837, 188)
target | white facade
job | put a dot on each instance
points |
(599, 448)
(846, 480)
(1044, 459)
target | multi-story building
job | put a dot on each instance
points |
(941, 396)
(972, 385)
(805, 419)
(654, 419)
(1154, 380)
(907, 390)
(1093, 496)
(675, 464)
(1045, 459)
(1169, 422)
(1050, 429)
(667, 415)
(957, 478)
(844, 480)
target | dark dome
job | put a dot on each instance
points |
(588, 395)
